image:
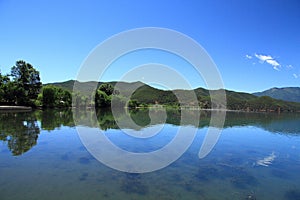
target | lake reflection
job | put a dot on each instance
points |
(257, 157)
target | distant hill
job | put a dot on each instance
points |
(68, 85)
(286, 93)
(86, 86)
(145, 94)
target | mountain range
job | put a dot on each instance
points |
(286, 93)
(273, 99)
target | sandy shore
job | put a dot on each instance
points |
(27, 108)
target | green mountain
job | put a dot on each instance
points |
(286, 93)
(82, 86)
(86, 87)
(145, 94)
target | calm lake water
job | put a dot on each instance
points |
(256, 157)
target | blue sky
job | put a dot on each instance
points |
(255, 44)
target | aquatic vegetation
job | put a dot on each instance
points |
(292, 194)
(238, 176)
(188, 186)
(65, 157)
(132, 184)
(83, 176)
(176, 177)
(267, 160)
(84, 160)
(250, 197)
(206, 172)
(243, 179)
(280, 174)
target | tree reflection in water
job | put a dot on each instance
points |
(20, 130)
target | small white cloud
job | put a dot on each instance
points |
(268, 59)
(295, 75)
(274, 63)
(263, 58)
(248, 57)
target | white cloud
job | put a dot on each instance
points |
(263, 58)
(274, 63)
(295, 75)
(268, 59)
(248, 56)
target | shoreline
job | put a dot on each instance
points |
(15, 108)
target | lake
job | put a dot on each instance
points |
(257, 156)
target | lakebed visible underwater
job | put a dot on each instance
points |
(256, 157)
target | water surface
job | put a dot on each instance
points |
(42, 157)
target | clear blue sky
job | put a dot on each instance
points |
(255, 44)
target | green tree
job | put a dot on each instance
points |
(56, 97)
(28, 83)
(133, 104)
(7, 90)
(102, 99)
(1, 88)
(49, 93)
(39, 100)
(107, 88)
(63, 98)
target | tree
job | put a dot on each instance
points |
(107, 88)
(48, 96)
(103, 95)
(102, 99)
(10, 90)
(1, 88)
(63, 98)
(133, 104)
(7, 90)
(27, 81)
(56, 97)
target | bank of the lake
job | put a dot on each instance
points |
(15, 108)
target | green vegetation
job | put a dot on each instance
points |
(235, 100)
(103, 95)
(106, 96)
(23, 87)
(146, 95)
(53, 96)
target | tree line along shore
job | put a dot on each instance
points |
(22, 89)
